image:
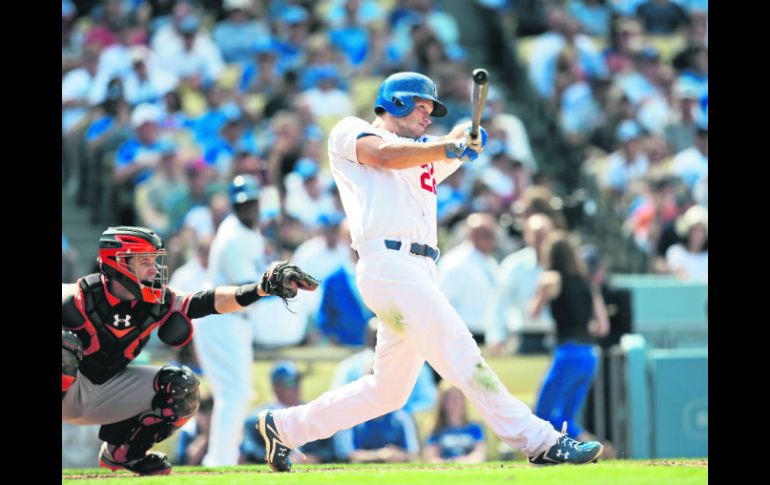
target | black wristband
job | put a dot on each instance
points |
(245, 295)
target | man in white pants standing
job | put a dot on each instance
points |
(387, 173)
(224, 342)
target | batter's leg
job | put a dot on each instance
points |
(396, 367)
(403, 292)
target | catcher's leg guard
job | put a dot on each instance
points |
(71, 355)
(176, 400)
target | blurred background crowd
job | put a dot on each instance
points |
(598, 126)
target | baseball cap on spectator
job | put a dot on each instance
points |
(231, 113)
(263, 45)
(139, 53)
(628, 26)
(332, 219)
(495, 148)
(167, 147)
(696, 214)
(627, 130)
(246, 146)
(189, 24)
(236, 4)
(68, 8)
(306, 168)
(685, 89)
(591, 256)
(493, 94)
(328, 71)
(649, 54)
(285, 373)
(145, 113)
(294, 14)
(455, 52)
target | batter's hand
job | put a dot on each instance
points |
(476, 144)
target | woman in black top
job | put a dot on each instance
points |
(579, 314)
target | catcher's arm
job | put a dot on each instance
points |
(281, 279)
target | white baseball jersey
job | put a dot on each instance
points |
(223, 342)
(237, 254)
(384, 203)
(417, 322)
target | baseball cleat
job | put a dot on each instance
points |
(567, 450)
(276, 453)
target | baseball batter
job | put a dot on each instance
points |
(107, 318)
(387, 172)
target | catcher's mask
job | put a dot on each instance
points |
(118, 246)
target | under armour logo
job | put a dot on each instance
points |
(121, 322)
(558, 454)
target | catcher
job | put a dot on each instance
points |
(107, 318)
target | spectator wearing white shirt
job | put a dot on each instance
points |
(629, 163)
(689, 260)
(189, 53)
(467, 274)
(307, 197)
(326, 98)
(516, 284)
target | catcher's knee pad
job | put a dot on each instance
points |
(177, 395)
(71, 355)
(176, 400)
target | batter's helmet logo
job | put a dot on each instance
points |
(121, 323)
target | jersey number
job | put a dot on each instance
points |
(426, 179)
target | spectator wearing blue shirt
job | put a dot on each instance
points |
(349, 33)
(343, 316)
(293, 30)
(454, 438)
(233, 137)
(136, 160)
(390, 438)
(236, 33)
(261, 73)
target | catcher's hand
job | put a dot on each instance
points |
(284, 280)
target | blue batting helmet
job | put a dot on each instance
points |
(397, 91)
(243, 188)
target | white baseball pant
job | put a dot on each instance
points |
(417, 323)
(223, 344)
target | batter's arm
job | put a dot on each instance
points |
(373, 151)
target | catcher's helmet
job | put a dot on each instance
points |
(118, 245)
(397, 91)
(243, 188)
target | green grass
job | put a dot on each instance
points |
(626, 472)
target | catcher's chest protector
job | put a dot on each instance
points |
(114, 332)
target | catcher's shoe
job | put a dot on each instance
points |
(276, 453)
(567, 450)
(153, 463)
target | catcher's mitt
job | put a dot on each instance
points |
(284, 280)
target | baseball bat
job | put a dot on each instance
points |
(480, 88)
